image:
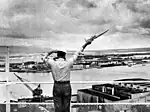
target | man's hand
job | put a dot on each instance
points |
(89, 40)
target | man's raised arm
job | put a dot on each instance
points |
(87, 42)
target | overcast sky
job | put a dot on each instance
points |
(65, 23)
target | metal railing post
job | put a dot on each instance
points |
(7, 71)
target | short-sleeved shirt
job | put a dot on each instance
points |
(61, 68)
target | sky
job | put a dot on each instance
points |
(66, 23)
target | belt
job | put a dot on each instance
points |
(61, 82)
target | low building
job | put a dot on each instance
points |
(108, 93)
(116, 93)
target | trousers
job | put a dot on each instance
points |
(62, 96)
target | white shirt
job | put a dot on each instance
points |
(61, 68)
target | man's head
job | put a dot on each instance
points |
(61, 53)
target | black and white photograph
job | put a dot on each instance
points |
(73, 53)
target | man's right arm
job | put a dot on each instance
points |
(46, 59)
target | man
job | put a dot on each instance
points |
(61, 68)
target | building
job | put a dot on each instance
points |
(116, 93)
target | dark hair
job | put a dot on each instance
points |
(61, 54)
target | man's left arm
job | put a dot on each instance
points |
(75, 56)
